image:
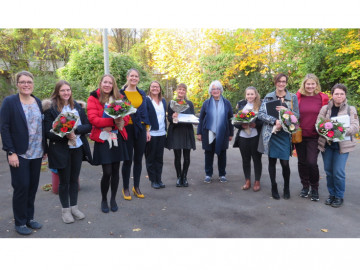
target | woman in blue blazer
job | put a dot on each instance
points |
(154, 151)
(215, 130)
(22, 133)
(63, 157)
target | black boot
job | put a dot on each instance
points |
(183, 177)
(274, 192)
(286, 194)
(179, 182)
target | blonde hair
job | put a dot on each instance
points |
(257, 101)
(310, 76)
(182, 85)
(114, 93)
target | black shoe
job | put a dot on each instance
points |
(274, 192)
(179, 182)
(104, 207)
(330, 200)
(161, 184)
(337, 202)
(33, 224)
(155, 185)
(286, 194)
(113, 205)
(314, 195)
(185, 182)
(304, 193)
(23, 230)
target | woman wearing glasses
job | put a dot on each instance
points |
(215, 130)
(23, 139)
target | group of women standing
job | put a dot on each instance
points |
(24, 135)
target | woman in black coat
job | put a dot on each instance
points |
(180, 137)
(247, 138)
(215, 130)
(66, 158)
(23, 139)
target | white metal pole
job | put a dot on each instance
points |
(106, 51)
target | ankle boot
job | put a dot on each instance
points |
(179, 182)
(66, 215)
(184, 179)
(274, 192)
(76, 212)
(286, 194)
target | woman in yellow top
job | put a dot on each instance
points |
(138, 131)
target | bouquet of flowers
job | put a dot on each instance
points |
(119, 108)
(244, 116)
(64, 124)
(330, 129)
(178, 105)
(289, 122)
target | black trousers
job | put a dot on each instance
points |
(136, 149)
(248, 150)
(25, 182)
(209, 160)
(154, 157)
(68, 178)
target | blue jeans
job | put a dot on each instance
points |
(334, 165)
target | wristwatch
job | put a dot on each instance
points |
(10, 153)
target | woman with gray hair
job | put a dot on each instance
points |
(215, 130)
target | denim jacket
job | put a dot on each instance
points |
(269, 121)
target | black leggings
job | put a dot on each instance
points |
(285, 170)
(110, 176)
(177, 162)
(248, 150)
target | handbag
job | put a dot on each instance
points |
(297, 136)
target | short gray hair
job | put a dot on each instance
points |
(217, 84)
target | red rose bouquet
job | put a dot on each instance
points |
(330, 129)
(245, 116)
(64, 124)
(119, 108)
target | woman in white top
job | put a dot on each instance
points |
(247, 138)
(154, 151)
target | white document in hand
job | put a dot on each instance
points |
(188, 118)
(345, 120)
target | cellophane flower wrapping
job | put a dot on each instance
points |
(244, 117)
(289, 122)
(178, 106)
(330, 129)
(119, 108)
(64, 124)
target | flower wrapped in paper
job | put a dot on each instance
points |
(331, 130)
(178, 105)
(64, 124)
(245, 116)
(289, 122)
(118, 108)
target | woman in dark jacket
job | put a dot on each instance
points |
(247, 138)
(215, 130)
(154, 151)
(23, 139)
(180, 137)
(138, 131)
(67, 158)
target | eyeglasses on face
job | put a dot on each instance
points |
(25, 82)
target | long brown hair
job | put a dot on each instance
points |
(257, 101)
(57, 102)
(114, 93)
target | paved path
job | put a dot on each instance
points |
(216, 210)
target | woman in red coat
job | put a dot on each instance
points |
(109, 136)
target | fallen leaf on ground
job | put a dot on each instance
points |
(324, 230)
(47, 187)
(137, 230)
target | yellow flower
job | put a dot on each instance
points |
(286, 116)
